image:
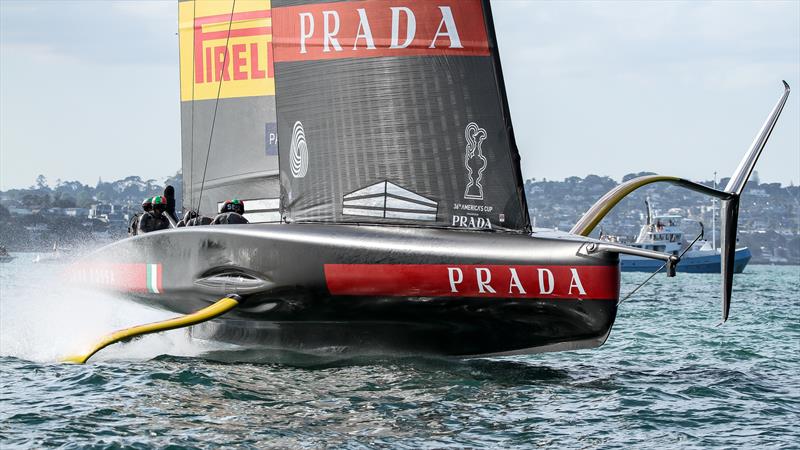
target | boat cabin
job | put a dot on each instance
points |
(662, 234)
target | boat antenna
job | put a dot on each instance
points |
(216, 104)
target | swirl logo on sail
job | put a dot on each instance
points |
(299, 151)
(474, 161)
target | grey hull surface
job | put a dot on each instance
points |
(371, 289)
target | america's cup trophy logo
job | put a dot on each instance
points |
(299, 151)
(474, 161)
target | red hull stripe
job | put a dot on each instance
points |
(119, 277)
(460, 280)
(378, 28)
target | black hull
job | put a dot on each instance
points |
(371, 289)
(471, 327)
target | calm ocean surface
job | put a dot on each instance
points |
(668, 377)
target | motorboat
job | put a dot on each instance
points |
(664, 233)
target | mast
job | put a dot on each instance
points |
(227, 99)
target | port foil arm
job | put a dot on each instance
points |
(217, 309)
(730, 207)
(746, 165)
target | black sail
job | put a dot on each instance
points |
(228, 123)
(394, 111)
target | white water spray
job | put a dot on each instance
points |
(43, 318)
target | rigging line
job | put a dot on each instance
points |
(216, 104)
(194, 82)
(660, 269)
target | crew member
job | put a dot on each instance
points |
(169, 196)
(187, 216)
(199, 220)
(154, 220)
(232, 212)
(133, 225)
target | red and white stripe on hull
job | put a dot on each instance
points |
(139, 277)
(467, 280)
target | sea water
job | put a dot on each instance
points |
(668, 377)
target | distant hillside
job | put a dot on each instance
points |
(73, 194)
(71, 213)
(769, 220)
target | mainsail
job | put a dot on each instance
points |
(388, 111)
(393, 111)
(228, 123)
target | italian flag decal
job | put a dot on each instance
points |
(154, 278)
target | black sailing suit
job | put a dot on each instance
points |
(152, 221)
(228, 218)
(197, 221)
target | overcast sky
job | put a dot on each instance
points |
(89, 89)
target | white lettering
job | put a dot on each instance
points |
(472, 222)
(550, 282)
(515, 282)
(328, 36)
(483, 283)
(453, 281)
(363, 24)
(450, 25)
(410, 30)
(576, 282)
(303, 34)
(470, 207)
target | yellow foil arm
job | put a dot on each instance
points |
(217, 309)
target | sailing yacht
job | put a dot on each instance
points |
(372, 145)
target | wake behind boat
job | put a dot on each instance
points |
(372, 146)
